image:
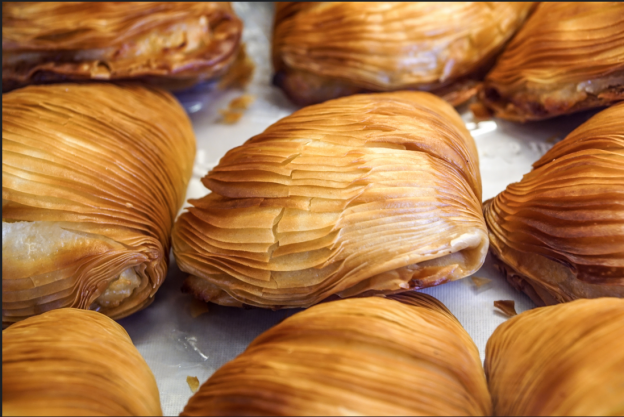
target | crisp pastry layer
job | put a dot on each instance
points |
(559, 233)
(368, 194)
(92, 179)
(72, 362)
(564, 360)
(327, 50)
(370, 356)
(566, 58)
(171, 44)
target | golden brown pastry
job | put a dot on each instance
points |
(559, 233)
(566, 58)
(368, 194)
(173, 44)
(92, 179)
(327, 50)
(564, 360)
(370, 356)
(72, 362)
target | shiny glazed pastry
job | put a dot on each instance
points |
(368, 356)
(368, 194)
(172, 44)
(71, 362)
(327, 50)
(566, 58)
(558, 234)
(564, 360)
(92, 179)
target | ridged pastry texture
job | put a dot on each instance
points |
(558, 234)
(360, 195)
(92, 179)
(566, 58)
(328, 50)
(369, 356)
(72, 362)
(563, 360)
(173, 44)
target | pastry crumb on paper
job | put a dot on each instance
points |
(508, 307)
(198, 307)
(193, 383)
(235, 109)
(480, 282)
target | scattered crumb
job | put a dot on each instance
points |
(480, 282)
(480, 112)
(236, 108)
(506, 306)
(193, 383)
(229, 116)
(240, 73)
(198, 308)
(242, 103)
(553, 139)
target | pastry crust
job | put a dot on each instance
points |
(371, 356)
(71, 362)
(568, 57)
(92, 179)
(172, 44)
(328, 50)
(559, 232)
(368, 194)
(563, 360)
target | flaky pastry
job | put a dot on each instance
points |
(92, 179)
(368, 194)
(327, 50)
(172, 44)
(71, 362)
(563, 360)
(558, 234)
(370, 356)
(566, 58)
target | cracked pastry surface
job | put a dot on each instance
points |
(563, 360)
(558, 234)
(369, 194)
(566, 58)
(172, 44)
(92, 179)
(370, 356)
(71, 362)
(328, 50)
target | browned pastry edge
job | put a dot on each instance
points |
(519, 110)
(163, 73)
(305, 89)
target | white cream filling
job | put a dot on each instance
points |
(119, 289)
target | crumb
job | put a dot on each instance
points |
(240, 73)
(236, 108)
(193, 383)
(242, 103)
(198, 308)
(480, 282)
(506, 306)
(229, 116)
(480, 112)
(553, 139)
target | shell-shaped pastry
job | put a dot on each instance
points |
(71, 362)
(563, 360)
(369, 356)
(361, 195)
(92, 179)
(566, 58)
(327, 50)
(559, 233)
(173, 44)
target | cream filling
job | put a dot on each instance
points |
(119, 289)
